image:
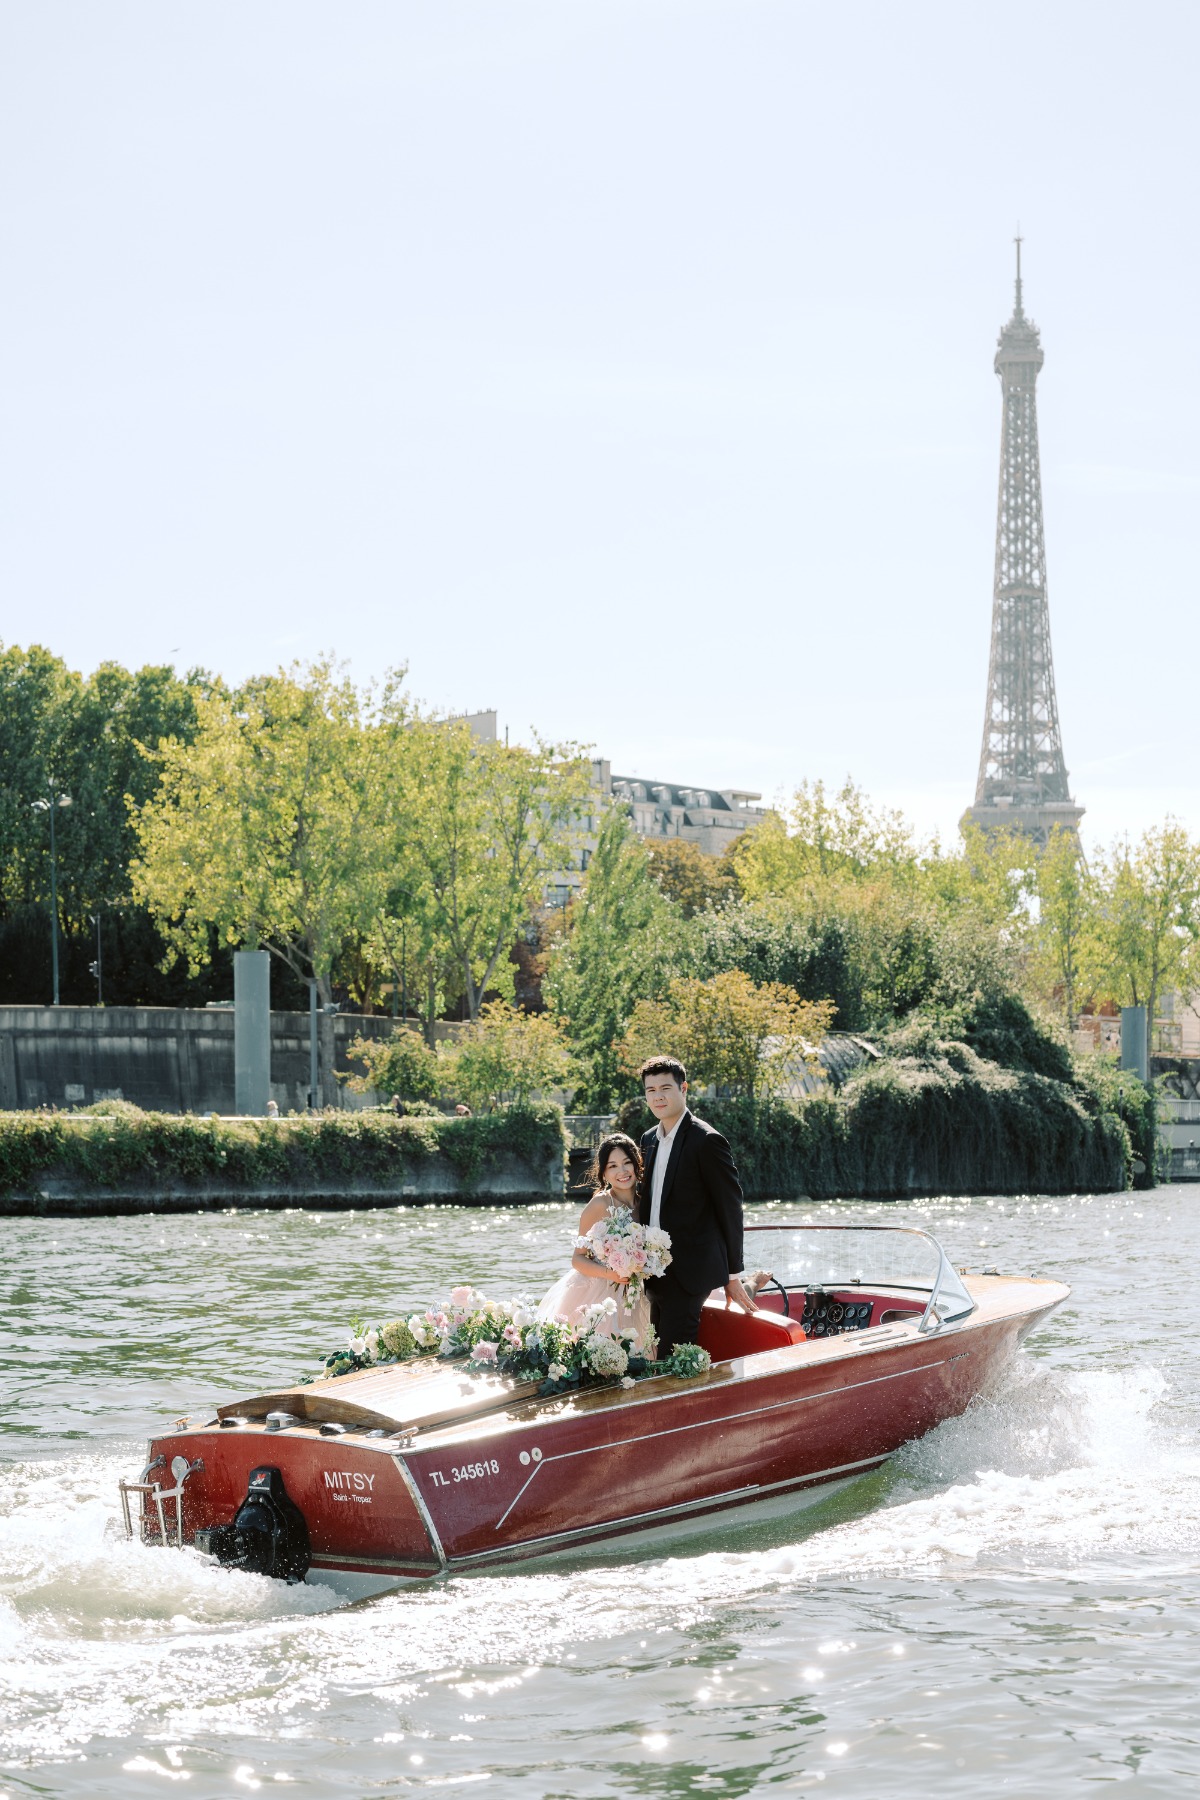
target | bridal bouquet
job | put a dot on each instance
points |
(630, 1250)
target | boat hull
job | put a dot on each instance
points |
(771, 1431)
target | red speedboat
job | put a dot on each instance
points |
(395, 1474)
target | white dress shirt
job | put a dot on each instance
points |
(662, 1156)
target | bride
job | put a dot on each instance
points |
(615, 1173)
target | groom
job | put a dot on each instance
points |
(690, 1189)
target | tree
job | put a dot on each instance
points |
(1064, 937)
(86, 737)
(402, 1064)
(816, 952)
(273, 823)
(1148, 918)
(728, 1030)
(486, 827)
(992, 875)
(37, 691)
(691, 880)
(620, 941)
(506, 1055)
(822, 837)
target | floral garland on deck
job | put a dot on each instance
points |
(508, 1338)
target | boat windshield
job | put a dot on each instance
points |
(870, 1256)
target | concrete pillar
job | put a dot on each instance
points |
(251, 1031)
(9, 1097)
(1134, 1044)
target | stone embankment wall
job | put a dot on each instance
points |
(510, 1180)
(164, 1059)
(71, 1165)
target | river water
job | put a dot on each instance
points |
(1010, 1607)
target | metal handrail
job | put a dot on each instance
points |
(944, 1268)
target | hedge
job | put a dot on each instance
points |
(938, 1120)
(117, 1143)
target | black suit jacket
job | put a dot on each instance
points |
(701, 1205)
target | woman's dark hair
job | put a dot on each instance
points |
(616, 1140)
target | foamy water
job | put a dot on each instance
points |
(1010, 1602)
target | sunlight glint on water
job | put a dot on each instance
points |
(1010, 1602)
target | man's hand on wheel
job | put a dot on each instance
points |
(736, 1295)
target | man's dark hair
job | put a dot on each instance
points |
(663, 1065)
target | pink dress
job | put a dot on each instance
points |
(573, 1292)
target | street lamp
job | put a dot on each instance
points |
(98, 965)
(313, 1056)
(51, 805)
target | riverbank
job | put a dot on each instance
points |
(929, 1117)
(127, 1161)
(934, 1117)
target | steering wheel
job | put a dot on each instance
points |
(787, 1308)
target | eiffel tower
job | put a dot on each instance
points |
(1022, 782)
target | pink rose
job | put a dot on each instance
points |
(484, 1352)
(460, 1296)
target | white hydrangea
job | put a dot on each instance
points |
(604, 1356)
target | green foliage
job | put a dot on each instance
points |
(937, 1120)
(485, 827)
(1105, 1088)
(1063, 942)
(622, 943)
(364, 844)
(402, 1064)
(728, 1031)
(506, 1055)
(822, 837)
(882, 949)
(1147, 935)
(690, 880)
(87, 738)
(267, 825)
(816, 954)
(999, 1027)
(115, 1149)
(685, 1362)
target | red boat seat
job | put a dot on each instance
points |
(727, 1331)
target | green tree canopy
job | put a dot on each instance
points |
(1147, 920)
(740, 1034)
(1063, 942)
(505, 1056)
(621, 942)
(821, 837)
(272, 823)
(84, 736)
(688, 878)
(485, 828)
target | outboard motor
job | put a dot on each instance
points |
(268, 1535)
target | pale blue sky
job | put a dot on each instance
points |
(621, 364)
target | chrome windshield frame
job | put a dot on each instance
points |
(931, 1319)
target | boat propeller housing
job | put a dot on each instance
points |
(268, 1535)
